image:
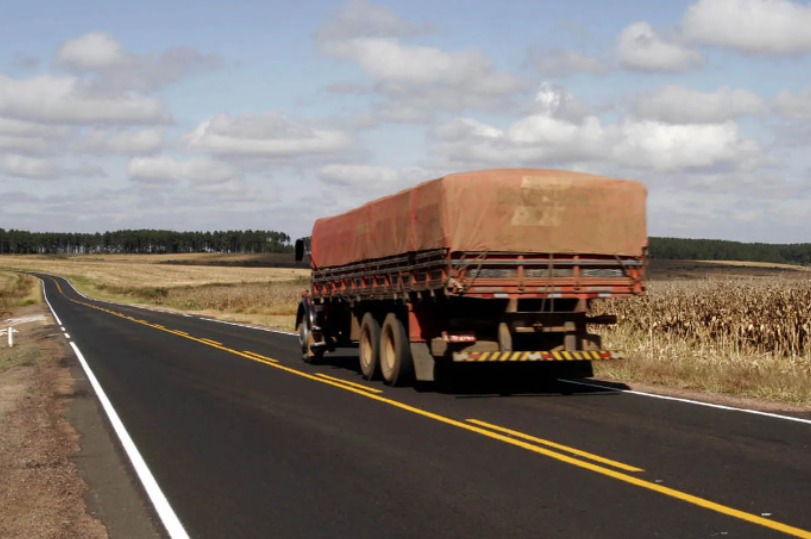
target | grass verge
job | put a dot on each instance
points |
(18, 290)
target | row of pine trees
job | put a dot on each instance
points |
(144, 241)
(269, 241)
(693, 249)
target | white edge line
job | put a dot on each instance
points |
(45, 297)
(167, 515)
(689, 401)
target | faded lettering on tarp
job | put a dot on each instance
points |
(543, 201)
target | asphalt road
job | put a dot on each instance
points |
(247, 441)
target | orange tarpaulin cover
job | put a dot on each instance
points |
(503, 210)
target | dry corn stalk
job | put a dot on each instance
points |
(744, 317)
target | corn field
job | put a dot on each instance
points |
(744, 317)
(742, 336)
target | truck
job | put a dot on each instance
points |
(492, 266)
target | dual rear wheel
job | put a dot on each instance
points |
(369, 347)
(385, 351)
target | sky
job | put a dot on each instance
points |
(262, 114)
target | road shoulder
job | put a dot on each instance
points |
(62, 474)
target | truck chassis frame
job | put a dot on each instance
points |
(412, 313)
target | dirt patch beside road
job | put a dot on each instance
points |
(41, 492)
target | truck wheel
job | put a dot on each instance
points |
(369, 349)
(396, 364)
(305, 337)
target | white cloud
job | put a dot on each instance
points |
(107, 68)
(96, 50)
(543, 140)
(127, 142)
(558, 63)
(28, 137)
(794, 105)
(153, 71)
(680, 105)
(357, 174)
(233, 188)
(414, 81)
(755, 26)
(390, 61)
(641, 48)
(87, 170)
(51, 99)
(164, 169)
(552, 132)
(370, 176)
(29, 167)
(467, 127)
(532, 140)
(359, 18)
(660, 146)
(554, 101)
(9, 126)
(417, 81)
(269, 135)
(24, 144)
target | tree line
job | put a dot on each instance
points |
(269, 241)
(697, 249)
(144, 241)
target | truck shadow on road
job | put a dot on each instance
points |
(493, 380)
(533, 380)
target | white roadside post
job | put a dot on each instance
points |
(10, 330)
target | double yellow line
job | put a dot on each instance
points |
(569, 455)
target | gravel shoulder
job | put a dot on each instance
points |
(62, 475)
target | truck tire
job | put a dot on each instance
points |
(369, 347)
(396, 364)
(305, 336)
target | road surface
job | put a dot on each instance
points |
(244, 440)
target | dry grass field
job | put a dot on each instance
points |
(200, 283)
(17, 290)
(723, 328)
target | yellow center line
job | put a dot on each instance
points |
(259, 356)
(211, 341)
(619, 476)
(351, 384)
(572, 450)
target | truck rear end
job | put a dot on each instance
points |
(480, 267)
